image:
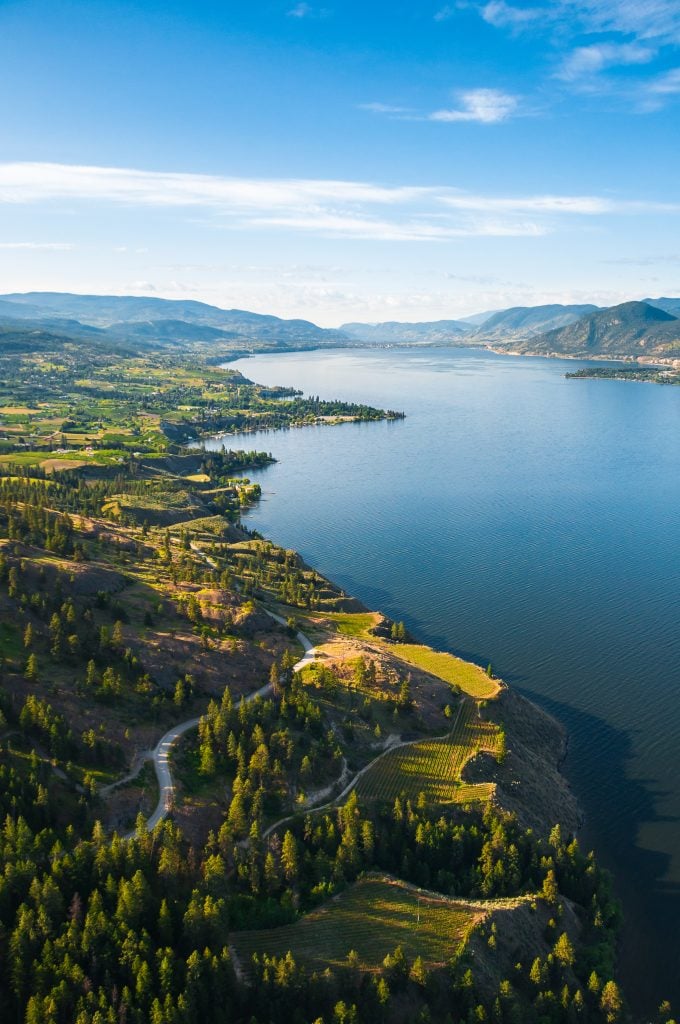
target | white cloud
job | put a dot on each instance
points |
(348, 226)
(487, 106)
(303, 10)
(587, 205)
(586, 61)
(385, 108)
(444, 13)
(669, 82)
(654, 94)
(332, 208)
(503, 15)
(31, 182)
(46, 246)
(644, 19)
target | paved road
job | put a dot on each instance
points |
(161, 753)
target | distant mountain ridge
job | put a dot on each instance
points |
(127, 316)
(138, 323)
(671, 306)
(631, 328)
(434, 332)
(521, 322)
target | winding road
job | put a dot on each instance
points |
(163, 749)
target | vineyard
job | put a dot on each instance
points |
(372, 917)
(434, 766)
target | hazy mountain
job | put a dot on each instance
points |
(57, 326)
(20, 310)
(632, 328)
(169, 331)
(477, 319)
(115, 311)
(671, 306)
(434, 332)
(51, 335)
(519, 323)
(105, 310)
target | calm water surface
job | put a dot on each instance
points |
(531, 521)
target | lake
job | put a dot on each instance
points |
(531, 521)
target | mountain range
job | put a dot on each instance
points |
(129, 323)
(149, 320)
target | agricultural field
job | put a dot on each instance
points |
(434, 766)
(470, 678)
(372, 917)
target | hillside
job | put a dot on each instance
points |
(169, 332)
(630, 329)
(519, 323)
(124, 316)
(436, 332)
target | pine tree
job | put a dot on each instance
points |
(611, 1002)
(564, 951)
(289, 856)
(208, 764)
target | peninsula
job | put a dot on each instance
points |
(198, 820)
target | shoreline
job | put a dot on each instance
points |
(528, 780)
(632, 360)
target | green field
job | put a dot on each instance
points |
(353, 623)
(434, 766)
(372, 917)
(471, 679)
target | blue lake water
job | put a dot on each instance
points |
(528, 520)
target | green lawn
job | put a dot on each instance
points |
(372, 917)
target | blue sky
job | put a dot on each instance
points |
(342, 160)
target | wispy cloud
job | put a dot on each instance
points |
(590, 39)
(30, 182)
(444, 13)
(387, 108)
(486, 106)
(644, 19)
(504, 15)
(348, 226)
(657, 90)
(304, 10)
(586, 61)
(331, 208)
(583, 205)
(644, 261)
(33, 246)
